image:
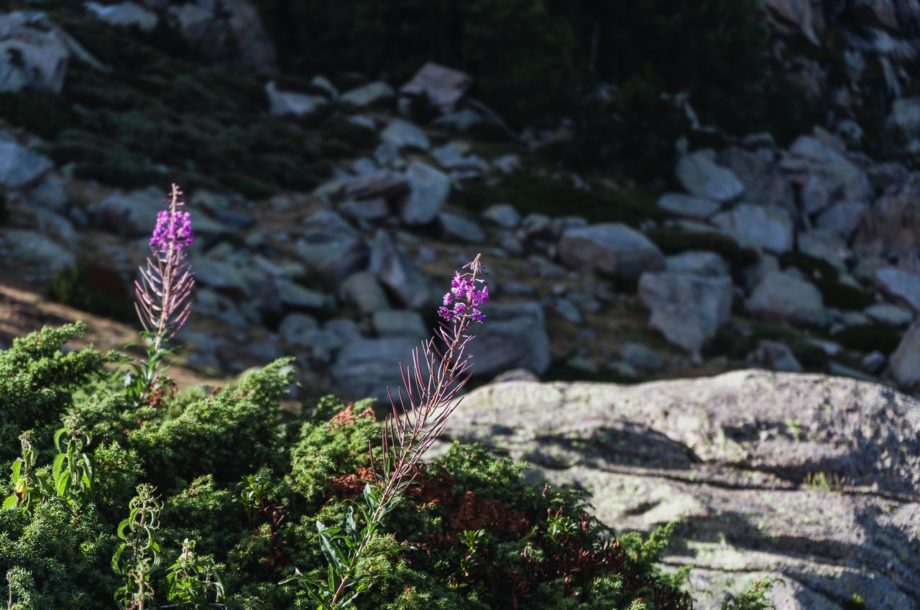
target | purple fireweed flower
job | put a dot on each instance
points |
(163, 291)
(467, 292)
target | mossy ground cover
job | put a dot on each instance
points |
(247, 482)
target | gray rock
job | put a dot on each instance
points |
(502, 214)
(367, 210)
(512, 337)
(891, 226)
(900, 284)
(764, 182)
(567, 311)
(222, 276)
(428, 192)
(825, 245)
(698, 262)
(126, 14)
(776, 356)
(20, 166)
(687, 309)
(843, 218)
(382, 184)
(49, 193)
(296, 297)
(405, 281)
(640, 356)
(905, 361)
(401, 134)
(784, 296)
(807, 479)
(460, 227)
(368, 95)
(132, 214)
(883, 176)
(874, 362)
(210, 303)
(288, 103)
(368, 367)
(442, 86)
(330, 247)
(296, 328)
(757, 226)
(815, 196)
(228, 31)
(399, 322)
(886, 313)
(35, 249)
(700, 175)
(34, 52)
(688, 205)
(610, 248)
(363, 289)
(794, 15)
(905, 117)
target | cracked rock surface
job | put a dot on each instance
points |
(807, 479)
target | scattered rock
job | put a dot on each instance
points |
(825, 245)
(35, 249)
(367, 210)
(794, 15)
(784, 296)
(700, 175)
(891, 227)
(641, 356)
(368, 367)
(886, 313)
(286, 103)
(874, 362)
(363, 290)
(698, 262)
(400, 276)
(401, 134)
(383, 184)
(399, 322)
(502, 214)
(19, 166)
(296, 297)
(905, 118)
(330, 247)
(131, 214)
(843, 218)
(368, 95)
(611, 248)
(428, 191)
(776, 356)
(442, 86)
(460, 227)
(905, 361)
(688, 206)
(34, 53)
(512, 337)
(227, 31)
(687, 309)
(126, 14)
(900, 284)
(758, 226)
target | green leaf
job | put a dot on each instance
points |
(63, 484)
(121, 529)
(57, 468)
(12, 501)
(17, 468)
(57, 438)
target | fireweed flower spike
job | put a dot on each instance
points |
(163, 290)
(431, 385)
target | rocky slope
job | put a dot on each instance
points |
(806, 479)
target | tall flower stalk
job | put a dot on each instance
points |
(431, 385)
(163, 292)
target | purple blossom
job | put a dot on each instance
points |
(173, 228)
(467, 293)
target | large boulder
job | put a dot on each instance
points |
(891, 226)
(808, 480)
(289, 103)
(442, 86)
(686, 308)
(229, 31)
(330, 247)
(905, 361)
(403, 279)
(610, 248)
(784, 296)
(132, 214)
(33, 53)
(901, 284)
(428, 192)
(764, 182)
(512, 337)
(757, 226)
(20, 166)
(35, 250)
(369, 367)
(701, 176)
(125, 14)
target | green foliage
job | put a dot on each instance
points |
(753, 598)
(93, 287)
(538, 193)
(37, 380)
(240, 493)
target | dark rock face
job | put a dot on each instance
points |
(809, 479)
